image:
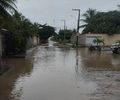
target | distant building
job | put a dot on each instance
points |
(87, 39)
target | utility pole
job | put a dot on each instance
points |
(78, 25)
(64, 27)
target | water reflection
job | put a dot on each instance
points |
(101, 60)
(22, 68)
(76, 67)
(52, 73)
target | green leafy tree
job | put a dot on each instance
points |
(7, 7)
(20, 29)
(99, 41)
(89, 16)
(65, 35)
(45, 32)
(102, 22)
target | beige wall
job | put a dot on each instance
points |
(108, 39)
(35, 40)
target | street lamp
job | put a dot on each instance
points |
(78, 25)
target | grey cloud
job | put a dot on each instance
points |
(44, 11)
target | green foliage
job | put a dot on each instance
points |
(89, 16)
(45, 32)
(118, 41)
(99, 41)
(65, 35)
(102, 22)
(19, 30)
(7, 8)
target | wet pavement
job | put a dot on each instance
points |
(52, 73)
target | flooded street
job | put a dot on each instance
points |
(52, 73)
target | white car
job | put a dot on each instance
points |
(115, 47)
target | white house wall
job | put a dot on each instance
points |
(82, 39)
(91, 37)
(87, 39)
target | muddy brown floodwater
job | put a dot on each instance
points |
(52, 73)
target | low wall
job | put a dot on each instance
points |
(109, 39)
(84, 39)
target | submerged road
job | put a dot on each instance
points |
(52, 73)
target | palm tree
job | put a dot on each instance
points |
(89, 15)
(118, 6)
(7, 7)
(99, 41)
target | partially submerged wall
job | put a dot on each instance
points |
(87, 39)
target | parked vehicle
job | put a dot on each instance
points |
(93, 48)
(115, 47)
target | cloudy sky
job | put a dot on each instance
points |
(53, 11)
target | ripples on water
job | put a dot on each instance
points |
(52, 73)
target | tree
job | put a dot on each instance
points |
(7, 7)
(89, 15)
(102, 22)
(65, 35)
(118, 6)
(99, 41)
(20, 29)
(45, 32)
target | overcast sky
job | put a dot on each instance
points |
(53, 11)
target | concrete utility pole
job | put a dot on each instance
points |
(78, 25)
(64, 27)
